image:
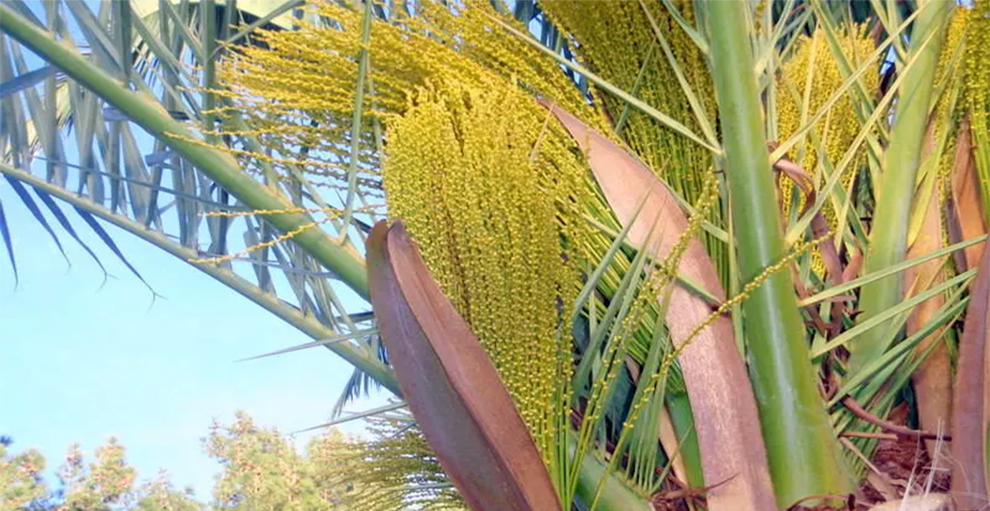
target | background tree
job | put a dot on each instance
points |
(260, 469)
(21, 483)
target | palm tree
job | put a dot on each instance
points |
(572, 320)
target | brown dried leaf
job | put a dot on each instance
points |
(969, 414)
(451, 385)
(728, 428)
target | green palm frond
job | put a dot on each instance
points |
(49, 120)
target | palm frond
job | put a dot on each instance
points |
(120, 170)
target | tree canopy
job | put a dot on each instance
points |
(260, 469)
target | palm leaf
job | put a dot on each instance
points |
(163, 63)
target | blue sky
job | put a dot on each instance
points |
(81, 362)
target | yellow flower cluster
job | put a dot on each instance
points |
(957, 28)
(489, 210)
(307, 78)
(616, 40)
(488, 183)
(837, 128)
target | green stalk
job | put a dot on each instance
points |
(352, 167)
(679, 408)
(888, 237)
(342, 259)
(306, 323)
(801, 447)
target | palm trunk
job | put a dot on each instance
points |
(342, 259)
